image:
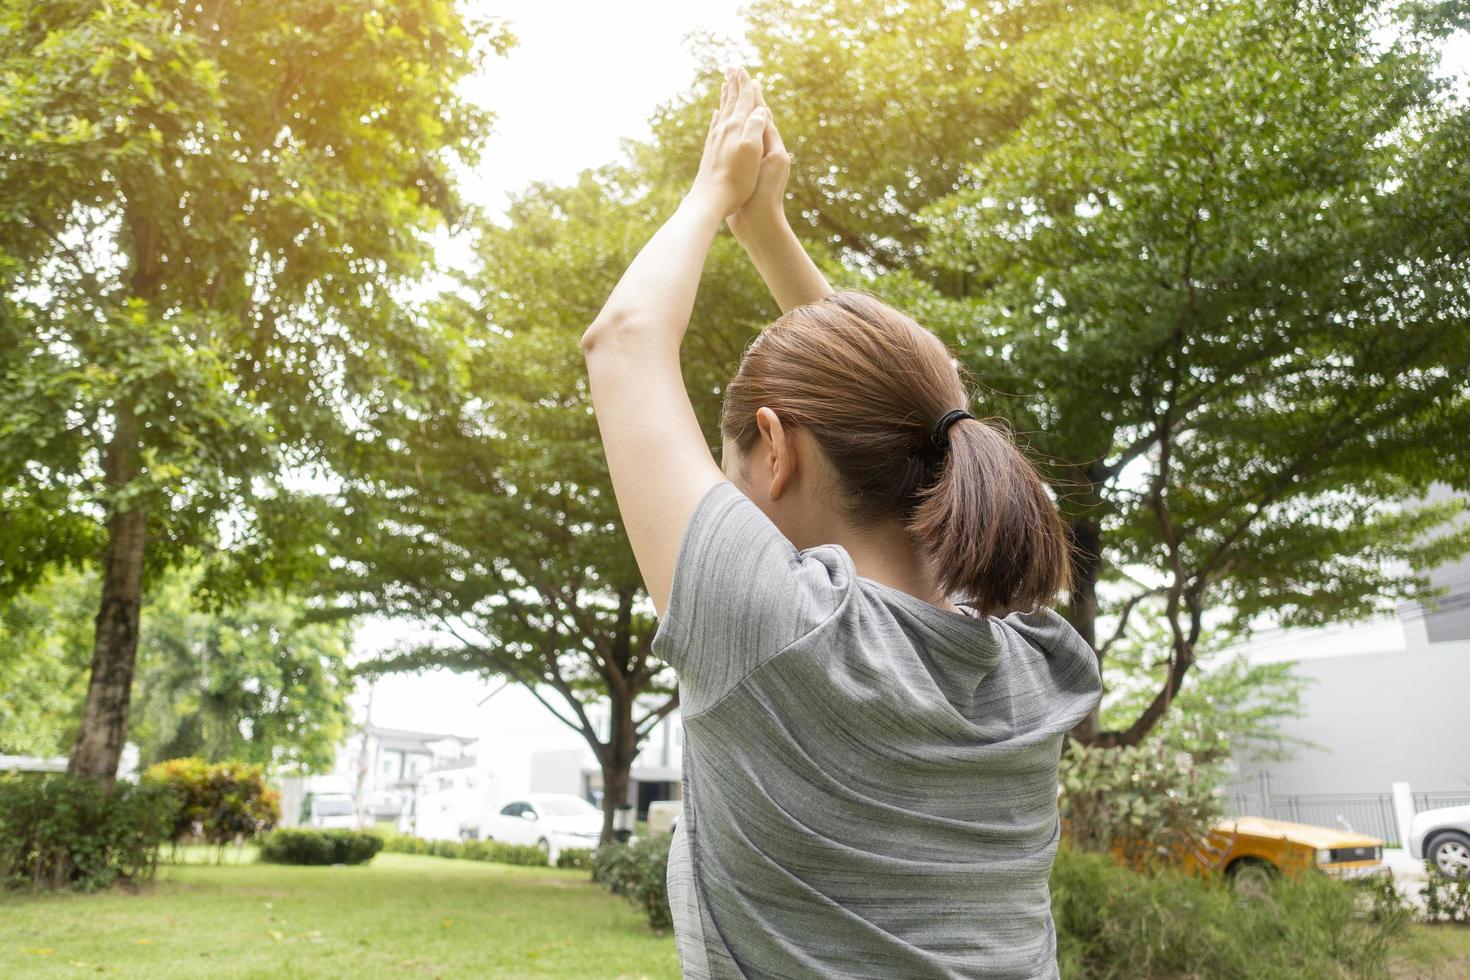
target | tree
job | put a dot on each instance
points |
(206, 211)
(1199, 257)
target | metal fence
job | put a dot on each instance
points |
(1364, 813)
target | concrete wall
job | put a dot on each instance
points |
(1379, 718)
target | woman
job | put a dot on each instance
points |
(870, 769)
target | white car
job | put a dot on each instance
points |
(1442, 837)
(550, 821)
(331, 811)
(663, 816)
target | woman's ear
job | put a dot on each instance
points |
(779, 448)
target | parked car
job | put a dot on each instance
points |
(1250, 851)
(663, 816)
(1442, 837)
(330, 811)
(550, 821)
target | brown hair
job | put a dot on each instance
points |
(868, 383)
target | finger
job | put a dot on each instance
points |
(709, 134)
(744, 95)
(760, 97)
(772, 137)
(755, 126)
(727, 96)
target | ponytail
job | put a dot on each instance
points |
(992, 533)
(876, 390)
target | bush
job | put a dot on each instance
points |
(1113, 922)
(1147, 804)
(1446, 899)
(217, 803)
(64, 831)
(575, 857)
(470, 850)
(303, 846)
(639, 870)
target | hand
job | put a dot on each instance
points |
(766, 207)
(733, 147)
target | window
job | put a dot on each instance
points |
(512, 809)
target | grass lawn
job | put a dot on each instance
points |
(1439, 952)
(400, 915)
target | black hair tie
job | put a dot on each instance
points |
(941, 428)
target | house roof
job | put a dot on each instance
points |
(405, 740)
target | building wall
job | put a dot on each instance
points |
(1377, 719)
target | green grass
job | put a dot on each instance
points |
(1439, 952)
(400, 915)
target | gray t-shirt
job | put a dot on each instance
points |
(870, 781)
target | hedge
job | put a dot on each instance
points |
(305, 846)
(575, 857)
(64, 831)
(471, 850)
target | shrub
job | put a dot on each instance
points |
(522, 854)
(64, 831)
(575, 857)
(638, 869)
(304, 846)
(1145, 803)
(470, 850)
(612, 866)
(1446, 899)
(1113, 922)
(217, 803)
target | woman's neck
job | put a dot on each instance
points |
(886, 554)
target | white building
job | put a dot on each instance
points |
(444, 786)
(381, 769)
(1386, 701)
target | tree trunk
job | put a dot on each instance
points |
(115, 642)
(1081, 610)
(616, 758)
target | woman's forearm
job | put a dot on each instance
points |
(653, 300)
(789, 273)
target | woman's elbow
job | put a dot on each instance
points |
(620, 332)
(600, 332)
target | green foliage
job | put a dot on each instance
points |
(499, 852)
(1149, 804)
(1196, 256)
(62, 831)
(575, 857)
(638, 869)
(307, 846)
(1113, 923)
(218, 803)
(1446, 899)
(255, 679)
(45, 646)
(252, 680)
(1232, 707)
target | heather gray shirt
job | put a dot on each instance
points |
(870, 781)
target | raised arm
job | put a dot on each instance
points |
(656, 454)
(761, 228)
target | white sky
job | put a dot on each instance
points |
(583, 77)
